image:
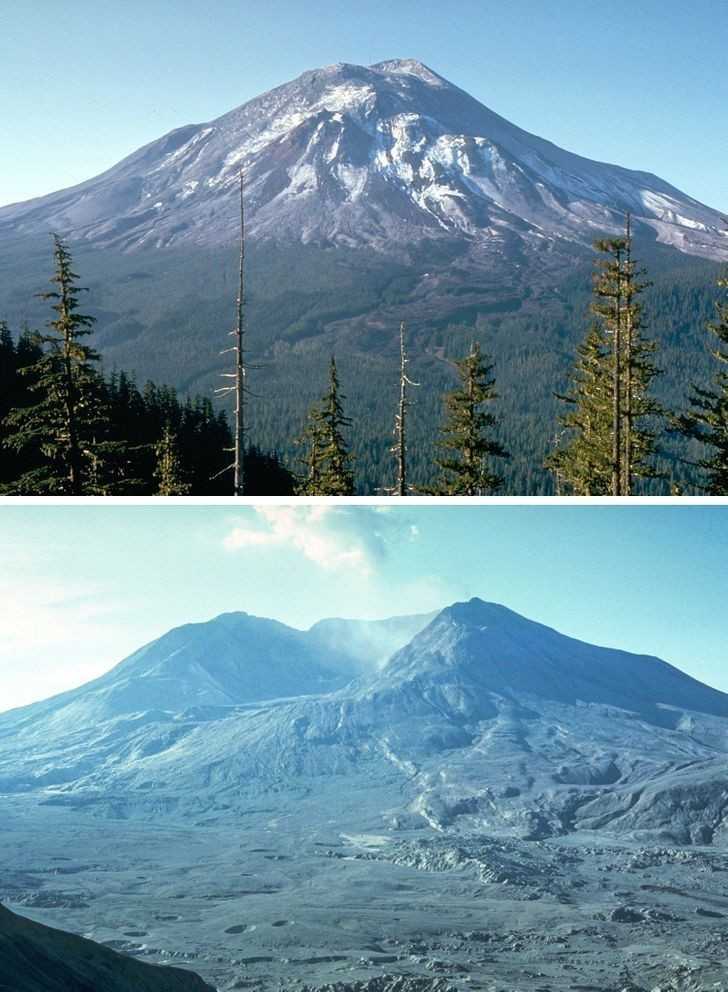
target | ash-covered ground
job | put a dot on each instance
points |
(309, 892)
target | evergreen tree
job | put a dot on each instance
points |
(8, 369)
(65, 423)
(311, 443)
(610, 428)
(168, 472)
(7, 345)
(327, 457)
(608, 306)
(133, 456)
(9, 397)
(466, 434)
(15, 394)
(707, 420)
(639, 409)
(583, 466)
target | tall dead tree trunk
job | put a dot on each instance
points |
(239, 471)
(400, 421)
(239, 386)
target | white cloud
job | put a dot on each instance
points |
(312, 530)
(332, 537)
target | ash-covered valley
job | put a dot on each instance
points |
(466, 800)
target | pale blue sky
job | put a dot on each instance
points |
(641, 84)
(81, 587)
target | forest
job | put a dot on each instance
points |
(631, 412)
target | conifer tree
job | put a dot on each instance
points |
(327, 457)
(707, 419)
(168, 471)
(7, 345)
(311, 442)
(609, 428)
(641, 410)
(8, 396)
(7, 366)
(608, 307)
(65, 422)
(266, 475)
(125, 460)
(466, 436)
(15, 394)
(583, 466)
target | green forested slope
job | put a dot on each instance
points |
(165, 315)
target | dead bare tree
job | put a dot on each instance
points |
(399, 448)
(238, 387)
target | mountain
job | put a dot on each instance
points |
(483, 721)
(203, 669)
(232, 660)
(495, 805)
(376, 156)
(374, 195)
(37, 958)
(495, 652)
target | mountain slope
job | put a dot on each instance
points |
(493, 650)
(236, 659)
(380, 156)
(232, 660)
(484, 721)
(37, 958)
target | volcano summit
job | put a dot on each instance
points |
(376, 156)
(484, 719)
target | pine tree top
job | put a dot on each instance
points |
(466, 438)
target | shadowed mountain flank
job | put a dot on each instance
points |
(37, 958)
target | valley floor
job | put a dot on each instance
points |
(306, 892)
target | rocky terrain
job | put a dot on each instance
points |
(296, 894)
(496, 807)
(486, 721)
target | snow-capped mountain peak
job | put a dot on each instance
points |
(410, 67)
(379, 156)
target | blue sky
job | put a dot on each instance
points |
(81, 587)
(641, 84)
